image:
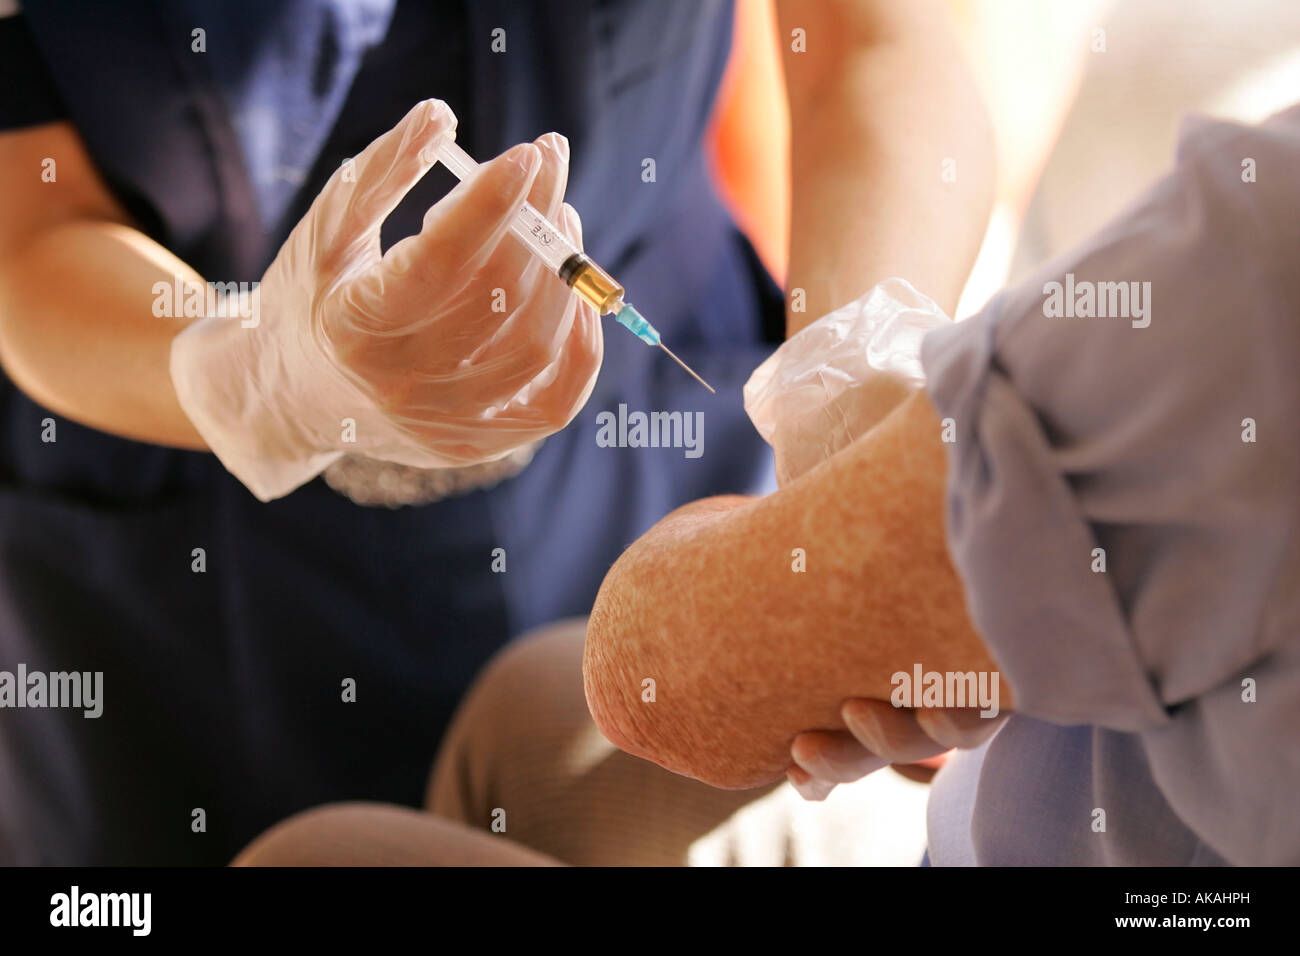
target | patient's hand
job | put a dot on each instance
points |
(880, 734)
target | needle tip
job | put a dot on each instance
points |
(689, 371)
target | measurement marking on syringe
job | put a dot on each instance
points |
(592, 283)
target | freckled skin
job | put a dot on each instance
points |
(745, 652)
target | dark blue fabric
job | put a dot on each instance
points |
(222, 689)
(27, 95)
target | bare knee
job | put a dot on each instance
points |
(526, 709)
(300, 839)
(373, 834)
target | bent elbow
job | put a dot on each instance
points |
(603, 682)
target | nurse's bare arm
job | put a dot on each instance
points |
(744, 651)
(891, 147)
(77, 329)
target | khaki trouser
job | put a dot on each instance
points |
(524, 778)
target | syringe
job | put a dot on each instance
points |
(578, 271)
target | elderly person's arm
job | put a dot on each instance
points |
(1121, 506)
(744, 648)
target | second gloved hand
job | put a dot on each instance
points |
(453, 348)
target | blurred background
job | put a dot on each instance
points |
(1085, 98)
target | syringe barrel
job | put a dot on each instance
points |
(543, 237)
(533, 229)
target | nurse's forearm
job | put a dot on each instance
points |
(78, 332)
(756, 618)
(892, 154)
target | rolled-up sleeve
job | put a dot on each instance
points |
(1122, 494)
(1123, 488)
(1024, 548)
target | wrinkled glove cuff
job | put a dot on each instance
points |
(256, 439)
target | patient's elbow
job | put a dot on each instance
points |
(605, 682)
(685, 732)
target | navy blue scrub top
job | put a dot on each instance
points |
(222, 689)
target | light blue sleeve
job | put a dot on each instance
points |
(1168, 445)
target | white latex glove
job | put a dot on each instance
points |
(834, 380)
(454, 348)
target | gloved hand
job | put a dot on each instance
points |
(454, 348)
(836, 379)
